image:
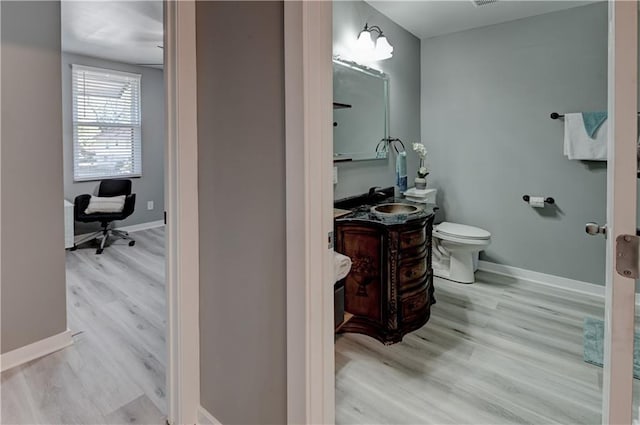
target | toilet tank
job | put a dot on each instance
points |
(431, 196)
(425, 196)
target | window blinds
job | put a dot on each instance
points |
(106, 124)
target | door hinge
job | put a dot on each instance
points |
(627, 256)
(331, 240)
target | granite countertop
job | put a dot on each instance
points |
(363, 212)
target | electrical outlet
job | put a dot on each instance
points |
(335, 174)
(149, 205)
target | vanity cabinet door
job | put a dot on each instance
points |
(364, 296)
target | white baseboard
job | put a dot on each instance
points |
(542, 278)
(142, 226)
(546, 279)
(36, 350)
(133, 227)
(206, 418)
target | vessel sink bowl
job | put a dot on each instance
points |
(395, 209)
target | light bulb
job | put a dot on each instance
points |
(365, 43)
(384, 50)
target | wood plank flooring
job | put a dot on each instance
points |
(114, 373)
(499, 351)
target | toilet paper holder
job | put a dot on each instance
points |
(548, 200)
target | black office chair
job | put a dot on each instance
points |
(107, 188)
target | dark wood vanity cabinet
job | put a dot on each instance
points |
(390, 287)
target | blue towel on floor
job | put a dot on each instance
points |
(401, 171)
(593, 121)
(593, 340)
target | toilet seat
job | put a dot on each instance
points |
(461, 232)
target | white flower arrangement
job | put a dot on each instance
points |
(420, 150)
(422, 154)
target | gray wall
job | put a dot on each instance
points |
(486, 98)
(149, 187)
(403, 69)
(33, 275)
(241, 155)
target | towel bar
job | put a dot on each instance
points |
(555, 115)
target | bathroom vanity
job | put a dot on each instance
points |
(389, 290)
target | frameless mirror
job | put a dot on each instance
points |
(360, 111)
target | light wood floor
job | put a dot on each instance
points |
(495, 352)
(114, 373)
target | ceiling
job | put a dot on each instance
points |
(429, 18)
(122, 31)
(131, 31)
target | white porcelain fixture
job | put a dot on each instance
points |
(455, 250)
(424, 196)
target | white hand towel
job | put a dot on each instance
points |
(578, 144)
(341, 266)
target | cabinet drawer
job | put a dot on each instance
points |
(413, 239)
(411, 271)
(413, 306)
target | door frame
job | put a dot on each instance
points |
(310, 343)
(309, 137)
(181, 193)
(309, 211)
(617, 400)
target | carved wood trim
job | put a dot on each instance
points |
(392, 318)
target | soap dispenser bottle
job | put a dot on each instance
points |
(401, 171)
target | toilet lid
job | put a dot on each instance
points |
(462, 231)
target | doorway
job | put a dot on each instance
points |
(113, 113)
(181, 390)
(623, 381)
(114, 100)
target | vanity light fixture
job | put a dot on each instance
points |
(366, 49)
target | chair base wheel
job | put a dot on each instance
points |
(99, 251)
(132, 243)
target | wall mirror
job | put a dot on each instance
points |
(360, 111)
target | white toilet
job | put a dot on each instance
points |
(455, 247)
(455, 250)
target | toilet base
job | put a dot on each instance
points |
(456, 265)
(445, 274)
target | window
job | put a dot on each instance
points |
(106, 124)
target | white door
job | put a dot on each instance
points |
(621, 211)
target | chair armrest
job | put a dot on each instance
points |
(129, 205)
(79, 205)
